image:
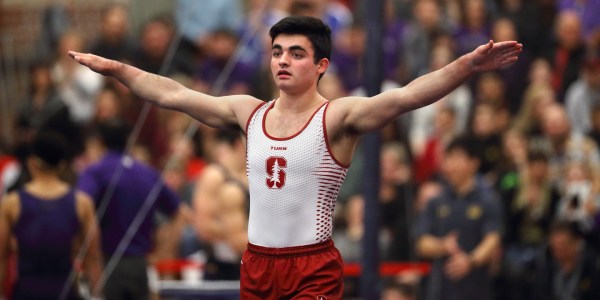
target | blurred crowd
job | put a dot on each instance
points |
(524, 140)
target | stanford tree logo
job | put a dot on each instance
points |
(276, 172)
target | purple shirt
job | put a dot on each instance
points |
(132, 189)
(242, 73)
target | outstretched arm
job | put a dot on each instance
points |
(362, 115)
(167, 93)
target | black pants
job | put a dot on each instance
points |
(129, 280)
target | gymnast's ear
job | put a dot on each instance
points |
(322, 65)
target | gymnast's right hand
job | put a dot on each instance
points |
(96, 63)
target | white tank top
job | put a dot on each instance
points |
(294, 183)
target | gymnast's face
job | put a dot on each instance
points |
(292, 64)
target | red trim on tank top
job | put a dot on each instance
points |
(345, 166)
(264, 123)
(252, 115)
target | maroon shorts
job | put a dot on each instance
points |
(303, 272)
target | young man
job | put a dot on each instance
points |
(49, 220)
(299, 148)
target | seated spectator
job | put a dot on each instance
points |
(530, 208)
(77, 86)
(487, 125)
(583, 96)
(566, 53)
(529, 118)
(219, 51)
(395, 201)
(580, 201)
(428, 159)
(565, 145)
(460, 101)
(155, 40)
(44, 109)
(569, 269)
(475, 25)
(114, 41)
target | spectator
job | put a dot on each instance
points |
(514, 159)
(114, 41)
(587, 11)
(219, 51)
(44, 109)
(428, 159)
(579, 203)
(531, 207)
(76, 86)
(56, 20)
(532, 20)
(514, 79)
(348, 238)
(220, 202)
(583, 96)
(486, 128)
(566, 53)
(332, 12)
(49, 219)
(419, 36)
(460, 101)
(155, 40)
(565, 145)
(197, 20)
(569, 269)
(395, 200)
(108, 106)
(530, 115)
(347, 58)
(475, 27)
(122, 186)
(460, 229)
(153, 131)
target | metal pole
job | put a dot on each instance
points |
(373, 76)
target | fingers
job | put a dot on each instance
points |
(484, 49)
(508, 61)
(507, 44)
(76, 55)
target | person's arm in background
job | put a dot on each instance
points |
(429, 245)
(232, 201)
(8, 209)
(89, 238)
(483, 253)
(461, 263)
(432, 247)
(206, 204)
